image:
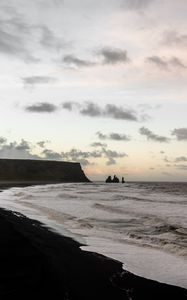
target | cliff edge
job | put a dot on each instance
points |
(27, 171)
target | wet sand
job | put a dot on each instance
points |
(36, 262)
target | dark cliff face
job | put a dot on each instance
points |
(25, 170)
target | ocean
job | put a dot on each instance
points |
(141, 224)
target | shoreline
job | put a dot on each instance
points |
(45, 263)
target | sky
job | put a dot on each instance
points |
(100, 82)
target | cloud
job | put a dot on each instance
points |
(97, 144)
(14, 39)
(2, 140)
(54, 3)
(180, 133)
(173, 38)
(136, 4)
(22, 150)
(165, 159)
(167, 174)
(113, 56)
(42, 144)
(33, 80)
(50, 41)
(70, 105)
(164, 63)
(153, 137)
(113, 136)
(118, 112)
(42, 107)
(76, 62)
(108, 111)
(51, 155)
(84, 156)
(113, 154)
(111, 161)
(109, 56)
(181, 159)
(182, 167)
(91, 109)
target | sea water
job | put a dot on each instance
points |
(141, 224)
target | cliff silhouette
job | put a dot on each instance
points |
(28, 171)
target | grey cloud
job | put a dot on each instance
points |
(70, 105)
(113, 56)
(49, 154)
(181, 159)
(20, 150)
(180, 133)
(2, 140)
(14, 39)
(81, 156)
(33, 80)
(166, 159)
(164, 63)
(111, 161)
(91, 109)
(23, 145)
(49, 40)
(113, 154)
(84, 162)
(23, 150)
(167, 174)
(182, 167)
(109, 111)
(113, 136)
(173, 38)
(42, 143)
(54, 3)
(42, 107)
(118, 112)
(119, 137)
(108, 55)
(136, 4)
(97, 144)
(77, 62)
(153, 137)
(101, 136)
(84, 156)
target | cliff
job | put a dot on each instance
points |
(26, 171)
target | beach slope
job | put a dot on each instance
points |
(36, 262)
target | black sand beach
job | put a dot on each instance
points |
(36, 262)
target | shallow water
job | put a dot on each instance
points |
(144, 225)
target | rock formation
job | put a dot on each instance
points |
(26, 171)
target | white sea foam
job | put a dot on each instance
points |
(142, 225)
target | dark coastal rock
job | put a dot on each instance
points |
(36, 263)
(27, 171)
